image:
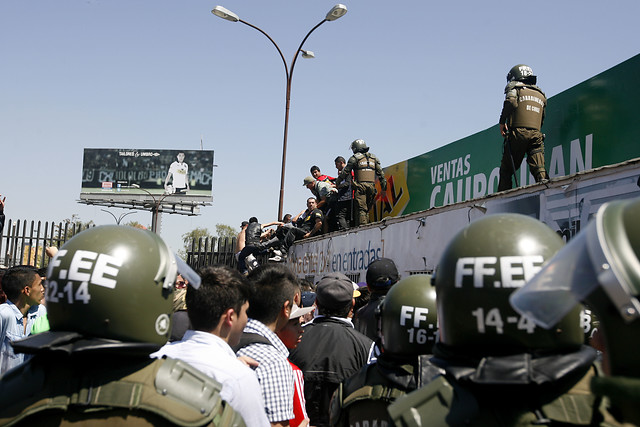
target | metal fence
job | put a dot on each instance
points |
(207, 251)
(24, 242)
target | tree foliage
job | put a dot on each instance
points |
(225, 231)
(136, 224)
(195, 234)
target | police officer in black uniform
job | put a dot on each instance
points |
(520, 122)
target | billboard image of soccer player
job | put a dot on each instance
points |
(181, 176)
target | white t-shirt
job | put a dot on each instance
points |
(179, 172)
(212, 356)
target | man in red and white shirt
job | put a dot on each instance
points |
(291, 335)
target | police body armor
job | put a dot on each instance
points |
(515, 390)
(94, 390)
(529, 106)
(365, 170)
(364, 397)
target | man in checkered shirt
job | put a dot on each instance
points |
(276, 289)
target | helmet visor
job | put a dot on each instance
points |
(562, 283)
(188, 273)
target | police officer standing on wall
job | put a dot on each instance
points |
(366, 167)
(520, 122)
(109, 297)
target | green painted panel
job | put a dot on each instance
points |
(587, 126)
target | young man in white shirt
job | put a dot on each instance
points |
(218, 314)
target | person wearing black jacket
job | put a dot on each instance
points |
(331, 349)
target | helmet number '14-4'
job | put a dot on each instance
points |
(514, 271)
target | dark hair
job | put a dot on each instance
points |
(273, 285)
(15, 280)
(312, 198)
(335, 312)
(340, 159)
(307, 285)
(253, 219)
(287, 217)
(363, 299)
(222, 288)
(314, 168)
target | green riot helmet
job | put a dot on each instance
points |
(114, 283)
(600, 266)
(521, 73)
(478, 271)
(407, 317)
(359, 146)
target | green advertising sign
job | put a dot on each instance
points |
(587, 126)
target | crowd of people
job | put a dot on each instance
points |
(493, 338)
(337, 203)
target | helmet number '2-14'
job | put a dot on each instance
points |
(105, 269)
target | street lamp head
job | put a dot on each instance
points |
(307, 54)
(336, 12)
(225, 13)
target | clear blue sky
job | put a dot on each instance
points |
(408, 77)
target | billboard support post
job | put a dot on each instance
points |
(155, 208)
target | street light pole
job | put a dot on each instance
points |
(336, 12)
(118, 219)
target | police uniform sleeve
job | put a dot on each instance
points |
(351, 163)
(380, 173)
(509, 105)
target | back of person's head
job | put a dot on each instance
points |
(334, 295)
(382, 273)
(221, 288)
(253, 219)
(307, 285)
(15, 280)
(273, 285)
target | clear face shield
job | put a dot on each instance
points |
(570, 276)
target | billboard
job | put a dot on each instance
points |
(130, 175)
(587, 126)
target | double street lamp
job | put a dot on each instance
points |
(155, 208)
(336, 12)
